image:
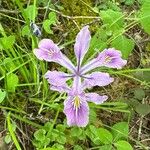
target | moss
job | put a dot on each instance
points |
(77, 8)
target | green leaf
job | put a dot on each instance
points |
(7, 42)
(93, 129)
(82, 136)
(2, 95)
(143, 1)
(48, 22)
(89, 133)
(46, 141)
(12, 133)
(139, 93)
(54, 134)
(40, 135)
(123, 44)
(93, 115)
(47, 126)
(7, 139)
(99, 135)
(120, 130)
(132, 102)
(92, 133)
(143, 109)
(143, 75)
(25, 31)
(144, 16)
(46, 26)
(76, 131)
(52, 17)
(98, 41)
(123, 145)
(77, 147)
(96, 141)
(113, 6)
(61, 139)
(59, 146)
(49, 148)
(60, 127)
(9, 64)
(37, 144)
(129, 2)
(12, 82)
(97, 44)
(31, 12)
(106, 147)
(104, 135)
(114, 20)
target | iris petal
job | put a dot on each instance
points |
(108, 58)
(111, 58)
(82, 44)
(97, 79)
(96, 98)
(57, 80)
(48, 44)
(50, 52)
(76, 116)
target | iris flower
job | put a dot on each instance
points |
(76, 107)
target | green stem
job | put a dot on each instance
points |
(50, 131)
(26, 121)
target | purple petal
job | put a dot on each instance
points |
(82, 43)
(97, 79)
(57, 80)
(60, 89)
(109, 58)
(76, 116)
(47, 51)
(96, 98)
(50, 52)
(56, 77)
(43, 54)
(64, 61)
(76, 87)
(48, 44)
(89, 66)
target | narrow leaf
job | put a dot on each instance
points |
(10, 128)
(12, 82)
(2, 95)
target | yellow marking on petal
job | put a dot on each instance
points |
(50, 52)
(108, 59)
(77, 102)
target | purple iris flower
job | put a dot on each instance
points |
(75, 106)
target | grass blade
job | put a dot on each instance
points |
(12, 132)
